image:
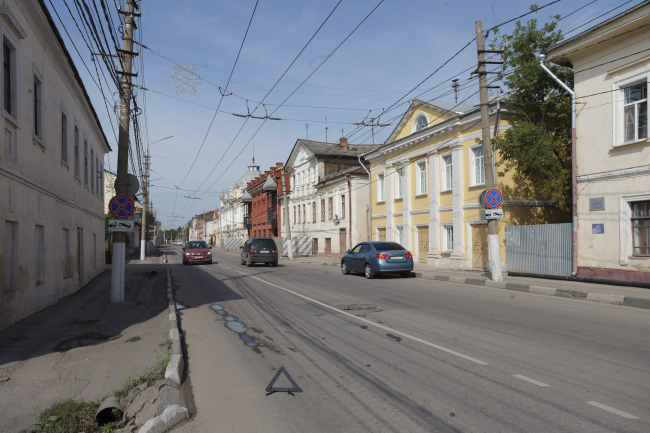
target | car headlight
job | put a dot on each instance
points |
(209, 252)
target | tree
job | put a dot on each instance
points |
(538, 149)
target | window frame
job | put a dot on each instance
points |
(77, 150)
(381, 187)
(473, 165)
(447, 182)
(313, 212)
(38, 106)
(647, 229)
(322, 209)
(14, 79)
(399, 233)
(400, 173)
(618, 111)
(420, 185)
(64, 137)
(85, 162)
(330, 208)
(447, 229)
(342, 206)
(636, 105)
(416, 120)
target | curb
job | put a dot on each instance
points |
(605, 298)
(172, 407)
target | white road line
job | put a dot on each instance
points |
(391, 330)
(528, 379)
(224, 266)
(612, 410)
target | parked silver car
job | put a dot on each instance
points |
(373, 258)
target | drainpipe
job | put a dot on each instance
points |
(369, 198)
(574, 169)
(349, 210)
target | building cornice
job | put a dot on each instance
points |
(644, 170)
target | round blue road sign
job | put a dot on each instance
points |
(493, 198)
(121, 207)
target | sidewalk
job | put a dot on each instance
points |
(611, 294)
(83, 347)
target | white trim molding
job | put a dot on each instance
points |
(644, 170)
(624, 225)
(383, 215)
(419, 211)
(446, 208)
(472, 206)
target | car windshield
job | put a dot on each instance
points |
(194, 245)
(264, 243)
(388, 246)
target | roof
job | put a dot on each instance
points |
(353, 170)
(74, 70)
(319, 148)
(452, 107)
(596, 27)
(252, 173)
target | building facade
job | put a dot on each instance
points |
(51, 166)
(235, 206)
(319, 200)
(264, 221)
(426, 182)
(612, 78)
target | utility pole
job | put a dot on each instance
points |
(307, 128)
(326, 128)
(121, 182)
(455, 86)
(143, 227)
(287, 224)
(493, 227)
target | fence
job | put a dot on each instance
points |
(540, 249)
(232, 243)
(301, 245)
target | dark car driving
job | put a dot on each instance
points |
(259, 250)
(373, 258)
(195, 252)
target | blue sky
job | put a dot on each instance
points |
(398, 46)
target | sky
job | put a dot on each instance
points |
(396, 47)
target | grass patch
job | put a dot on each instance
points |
(71, 416)
(134, 339)
(149, 375)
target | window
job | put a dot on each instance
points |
(641, 228)
(38, 108)
(477, 166)
(399, 183)
(39, 237)
(313, 212)
(448, 239)
(421, 180)
(10, 280)
(322, 209)
(447, 172)
(421, 122)
(343, 206)
(330, 210)
(92, 170)
(328, 245)
(64, 138)
(66, 254)
(98, 177)
(294, 214)
(399, 235)
(85, 163)
(9, 78)
(381, 188)
(635, 109)
(76, 152)
(304, 213)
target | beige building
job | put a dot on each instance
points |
(612, 76)
(51, 166)
(322, 204)
(427, 179)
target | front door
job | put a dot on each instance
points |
(381, 234)
(80, 253)
(315, 246)
(480, 251)
(423, 243)
(342, 242)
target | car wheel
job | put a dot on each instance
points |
(275, 265)
(184, 262)
(370, 274)
(406, 274)
(344, 269)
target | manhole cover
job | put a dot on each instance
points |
(361, 307)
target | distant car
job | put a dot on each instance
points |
(259, 250)
(197, 252)
(374, 258)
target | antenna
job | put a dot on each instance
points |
(455, 87)
(326, 128)
(342, 131)
(307, 128)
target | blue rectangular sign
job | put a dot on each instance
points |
(597, 229)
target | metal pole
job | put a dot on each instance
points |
(493, 227)
(574, 167)
(145, 194)
(119, 238)
(369, 199)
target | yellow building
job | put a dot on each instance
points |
(426, 181)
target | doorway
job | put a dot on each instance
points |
(423, 243)
(381, 234)
(480, 250)
(342, 242)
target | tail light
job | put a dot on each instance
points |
(253, 251)
(409, 255)
(274, 251)
(381, 256)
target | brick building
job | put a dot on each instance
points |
(263, 220)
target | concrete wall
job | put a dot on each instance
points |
(37, 187)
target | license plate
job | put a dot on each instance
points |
(198, 257)
(264, 252)
(397, 258)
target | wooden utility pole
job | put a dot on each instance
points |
(493, 226)
(121, 186)
(287, 223)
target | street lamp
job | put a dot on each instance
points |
(143, 227)
(574, 171)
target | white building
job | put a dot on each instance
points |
(320, 198)
(233, 209)
(51, 163)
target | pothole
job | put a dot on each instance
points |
(361, 307)
(85, 339)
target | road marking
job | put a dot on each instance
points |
(391, 330)
(612, 410)
(224, 266)
(528, 379)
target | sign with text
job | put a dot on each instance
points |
(597, 203)
(597, 229)
(121, 225)
(493, 214)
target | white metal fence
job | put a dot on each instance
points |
(544, 249)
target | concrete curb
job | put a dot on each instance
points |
(606, 298)
(172, 407)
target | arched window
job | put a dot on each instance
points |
(421, 122)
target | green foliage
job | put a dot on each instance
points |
(150, 375)
(538, 149)
(72, 416)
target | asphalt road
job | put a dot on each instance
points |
(432, 356)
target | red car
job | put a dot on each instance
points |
(197, 252)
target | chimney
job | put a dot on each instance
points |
(343, 142)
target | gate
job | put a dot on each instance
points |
(544, 249)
